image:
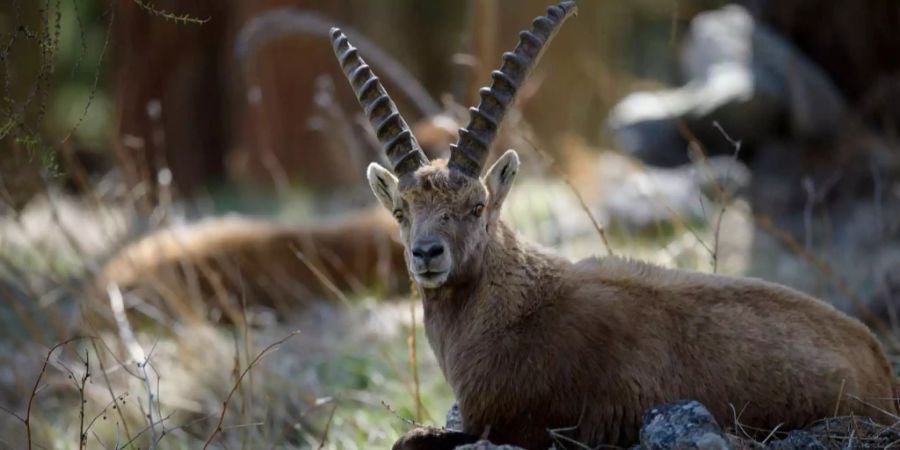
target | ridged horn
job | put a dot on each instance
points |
(471, 150)
(399, 144)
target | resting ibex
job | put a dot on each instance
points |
(257, 261)
(530, 342)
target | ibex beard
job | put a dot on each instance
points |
(530, 342)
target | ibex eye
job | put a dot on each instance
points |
(478, 209)
(398, 214)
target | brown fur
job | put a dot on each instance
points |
(529, 341)
(257, 258)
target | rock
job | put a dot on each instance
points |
(454, 419)
(681, 425)
(740, 73)
(797, 440)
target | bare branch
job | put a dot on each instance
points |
(237, 384)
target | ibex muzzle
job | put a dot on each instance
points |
(430, 262)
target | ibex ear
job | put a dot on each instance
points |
(499, 178)
(383, 184)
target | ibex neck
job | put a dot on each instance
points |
(507, 262)
(511, 281)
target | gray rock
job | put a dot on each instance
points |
(740, 73)
(454, 419)
(681, 425)
(797, 440)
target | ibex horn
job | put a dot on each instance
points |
(471, 150)
(400, 145)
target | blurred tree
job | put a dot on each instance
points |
(51, 60)
(185, 101)
(170, 83)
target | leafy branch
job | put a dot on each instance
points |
(183, 19)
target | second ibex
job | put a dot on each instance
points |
(531, 342)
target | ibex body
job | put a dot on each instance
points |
(531, 342)
(258, 259)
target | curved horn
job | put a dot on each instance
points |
(400, 145)
(471, 150)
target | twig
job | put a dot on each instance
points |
(146, 380)
(413, 360)
(182, 426)
(82, 433)
(327, 427)
(737, 419)
(265, 351)
(320, 275)
(696, 150)
(837, 403)
(115, 399)
(135, 351)
(139, 433)
(559, 171)
(410, 422)
(117, 304)
(10, 412)
(814, 196)
(97, 71)
(37, 383)
(177, 18)
(737, 150)
(246, 400)
(870, 405)
(772, 433)
(99, 441)
(556, 435)
(100, 414)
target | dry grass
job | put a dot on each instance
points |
(150, 380)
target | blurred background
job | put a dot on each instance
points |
(182, 187)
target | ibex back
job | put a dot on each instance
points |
(530, 342)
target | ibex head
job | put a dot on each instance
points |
(446, 209)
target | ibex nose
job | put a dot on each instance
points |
(427, 249)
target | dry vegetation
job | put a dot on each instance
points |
(194, 358)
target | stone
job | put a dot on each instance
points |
(797, 440)
(454, 419)
(681, 425)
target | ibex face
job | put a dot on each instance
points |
(444, 215)
(445, 209)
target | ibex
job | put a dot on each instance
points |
(530, 342)
(258, 260)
